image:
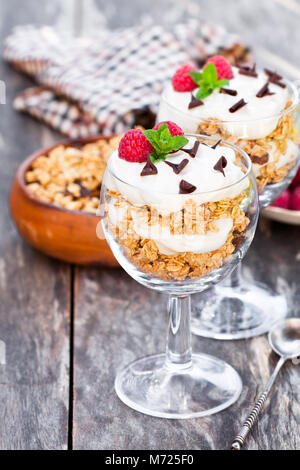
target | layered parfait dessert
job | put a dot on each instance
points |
(176, 205)
(254, 109)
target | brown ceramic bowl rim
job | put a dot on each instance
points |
(45, 151)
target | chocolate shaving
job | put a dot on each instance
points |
(228, 91)
(237, 106)
(216, 144)
(238, 240)
(261, 160)
(186, 188)
(273, 75)
(193, 151)
(178, 167)
(220, 165)
(276, 82)
(264, 91)
(274, 78)
(249, 71)
(195, 102)
(149, 168)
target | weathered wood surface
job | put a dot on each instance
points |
(116, 320)
(34, 290)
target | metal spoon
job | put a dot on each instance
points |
(284, 339)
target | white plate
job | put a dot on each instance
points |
(282, 215)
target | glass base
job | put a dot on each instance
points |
(205, 386)
(244, 311)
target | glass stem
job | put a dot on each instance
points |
(179, 349)
(233, 280)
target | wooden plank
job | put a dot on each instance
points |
(34, 290)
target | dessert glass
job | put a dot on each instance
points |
(178, 383)
(238, 308)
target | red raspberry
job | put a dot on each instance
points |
(283, 201)
(173, 128)
(134, 146)
(182, 81)
(223, 67)
(295, 205)
(296, 179)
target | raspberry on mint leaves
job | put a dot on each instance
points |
(165, 138)
(134, 146)
(223, 67)
(173, 128)
(207, 81)
(182, 80)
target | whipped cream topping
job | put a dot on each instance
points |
(161, 191)
(257, 119)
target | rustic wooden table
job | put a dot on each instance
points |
(65, 330)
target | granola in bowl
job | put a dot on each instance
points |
(256, 110)
(70, 176)
(181, 215)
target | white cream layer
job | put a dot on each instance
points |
(161, 191)
(169, 244)
(252, 121)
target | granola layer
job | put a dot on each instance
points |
(144, 252)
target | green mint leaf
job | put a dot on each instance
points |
(178, 141)
(157, 158)
(207, 81)
(221, 83)
(165, 136)
(161, 129)
(163, 142)
(153, 138)
(196, 77)
(210, 73)
(203, 93)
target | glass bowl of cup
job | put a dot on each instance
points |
(172, 236)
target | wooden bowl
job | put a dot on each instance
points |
(65, 234)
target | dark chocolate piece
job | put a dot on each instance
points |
(149, 168)
(228, 91)
(238, 240)
(193, 151)
(264, 91)
(178, 167)
(261, 160)
(186, 188)
(273, 75)
(276, 82)
(249, 71)
(195, 102)
(216, 144)
(237, 106)
(220, 165)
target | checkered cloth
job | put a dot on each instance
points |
(108, 82)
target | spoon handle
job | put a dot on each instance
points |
(239, 440)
